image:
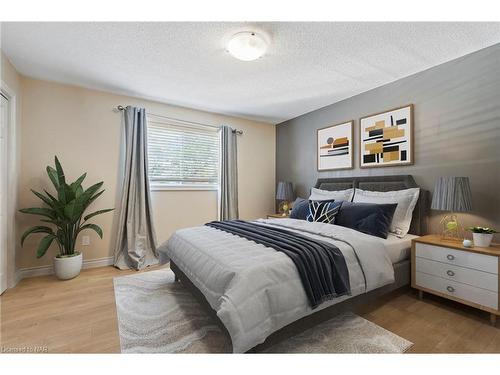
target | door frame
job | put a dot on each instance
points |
(11, 185)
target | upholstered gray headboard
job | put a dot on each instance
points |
(384, 183)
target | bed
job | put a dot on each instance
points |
(256, 294)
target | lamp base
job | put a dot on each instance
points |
(451, 228)
(284, 207)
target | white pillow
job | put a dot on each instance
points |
(406, 200)
(324, 195)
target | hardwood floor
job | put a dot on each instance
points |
(79, 316)
(435, 325)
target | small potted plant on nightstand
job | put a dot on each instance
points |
(482, 236)
(64, 211)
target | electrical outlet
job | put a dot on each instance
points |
(85, 240)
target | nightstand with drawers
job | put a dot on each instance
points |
(450, 270)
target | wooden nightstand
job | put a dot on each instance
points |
(277, 216)
(449, 270)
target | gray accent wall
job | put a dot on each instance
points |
(456, 130)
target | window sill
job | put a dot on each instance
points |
(183, 188)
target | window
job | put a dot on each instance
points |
(182, 156)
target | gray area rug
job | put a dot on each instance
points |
(158, 315)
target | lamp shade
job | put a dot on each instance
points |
(452, 194)
(285, 191)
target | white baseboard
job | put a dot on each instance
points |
(24, 273)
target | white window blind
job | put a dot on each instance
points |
(183, 156)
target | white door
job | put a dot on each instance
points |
(4, 119)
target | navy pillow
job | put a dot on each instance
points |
(369, 218)
(323, 211)
(300, 209)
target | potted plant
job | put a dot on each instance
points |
(482, 236)
(64, 211)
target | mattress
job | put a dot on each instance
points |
(397, 248)
(255, 290)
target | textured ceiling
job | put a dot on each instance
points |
(307, 66)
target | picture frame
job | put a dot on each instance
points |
(335, 147)
(386, 139)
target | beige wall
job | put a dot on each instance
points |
(12, 80)
(80, 126)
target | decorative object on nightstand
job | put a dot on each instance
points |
(467, 243)
(482, 236)
(450, 270)
(451, 194)
(285, 195)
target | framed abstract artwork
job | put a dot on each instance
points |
(386, 139)
(334, 147)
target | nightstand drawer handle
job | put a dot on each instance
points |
(450, 289)
(450, 257)
(450, 273)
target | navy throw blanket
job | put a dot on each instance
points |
(321, 265)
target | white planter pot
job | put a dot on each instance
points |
(68, 267)
(482, 239)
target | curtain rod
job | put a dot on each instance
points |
(239, 132)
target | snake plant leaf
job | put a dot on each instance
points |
(61, 194)
(55, 204)
(80, 179)
(44, 245)
(60, 172)
(87, 197)
(53, 176)
(47, 212)
(51, 203)
(78, 191)
(78, 183)
(91, 190)
(43, 198)
(73, 210)
(69, 210)
(69, 194)
(95, 197)
(52, 198)
(37, 229)
(80, 204)
(57, 222)
(95, 227)
(61, 237)
(97, 213)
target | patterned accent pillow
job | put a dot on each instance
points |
(323, 211)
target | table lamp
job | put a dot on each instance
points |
(284, 193)
(451, 194)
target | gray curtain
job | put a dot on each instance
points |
(228, 202)
(136, 239)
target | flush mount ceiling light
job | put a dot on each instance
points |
(247, 45)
